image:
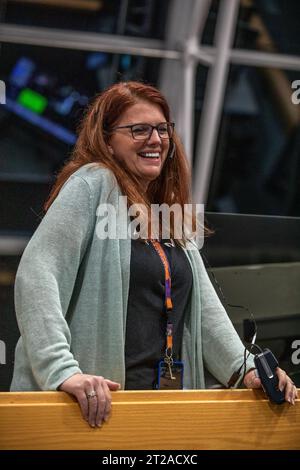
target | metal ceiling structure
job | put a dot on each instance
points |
(181, 52)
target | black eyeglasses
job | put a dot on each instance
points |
(144, 131)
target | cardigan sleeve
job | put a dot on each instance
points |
(223, 350)
(45, 280)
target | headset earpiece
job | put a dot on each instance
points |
(171, 150)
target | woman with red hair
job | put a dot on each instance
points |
(98, 311)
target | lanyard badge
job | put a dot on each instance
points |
(170, 372)
(170, 375)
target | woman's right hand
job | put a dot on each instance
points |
(93, 395)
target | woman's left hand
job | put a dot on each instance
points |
(285, 383)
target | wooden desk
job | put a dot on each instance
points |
(198, 419)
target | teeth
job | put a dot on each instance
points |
(150, 155)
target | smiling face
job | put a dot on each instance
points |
(145, 158)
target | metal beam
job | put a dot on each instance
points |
(184, 29)
(171, 72)
(199, 17)
(85, 41)
(138, 46)
(207, 54)
(213, 99)
(265, 59)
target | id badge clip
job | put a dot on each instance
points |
(170, 376)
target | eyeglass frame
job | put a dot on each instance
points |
(130, 126)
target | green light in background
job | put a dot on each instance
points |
(32, 100)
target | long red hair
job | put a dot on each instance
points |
(174, 182)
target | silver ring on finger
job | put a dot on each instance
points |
(91, 394)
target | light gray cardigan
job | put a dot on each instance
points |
(71, 297)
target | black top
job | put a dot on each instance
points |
(146, 318)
